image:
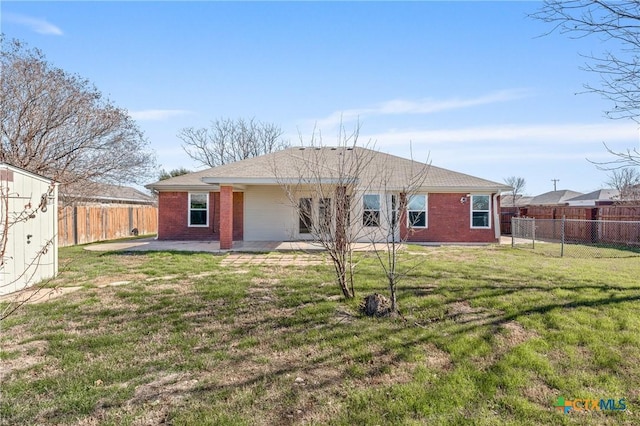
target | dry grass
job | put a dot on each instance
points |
(190, 341)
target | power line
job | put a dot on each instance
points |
(554, 183)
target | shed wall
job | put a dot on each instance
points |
(30, 254)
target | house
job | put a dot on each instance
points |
(554, 198)
(28, 228)
(507, 201)
(246, 201)
(104, 193)
(601, 197)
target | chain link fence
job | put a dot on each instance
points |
(576, 238)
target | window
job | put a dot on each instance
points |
(371, 213)
(198, 209)
(417, 211)
(324, 213)
(304, 221)
(480, 211)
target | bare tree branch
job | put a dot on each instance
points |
(323, 185)
(405, 210)
(616, 24)
(229, 140)
(627, 182)
(517, 185)
(58, 125)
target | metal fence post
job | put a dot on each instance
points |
(562, 236)
(513, 231)
(533, 233)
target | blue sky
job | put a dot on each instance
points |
(471, 86)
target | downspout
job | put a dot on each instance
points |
(496, 217)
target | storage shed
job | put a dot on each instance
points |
(28, 229)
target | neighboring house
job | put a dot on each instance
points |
(245, 200)
(553, 198)
(506, 200)
(103, 193)
(98, 211)
(601, 197)
(28, 227)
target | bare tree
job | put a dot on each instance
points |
(58, 125)
(322, 184)
(627, 182)
(347, 194)
(517, 185)
(405, 211)
(617, 23)
(228, 140)
(173, 173)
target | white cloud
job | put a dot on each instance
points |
(40, 26)
(422, 106)
(481, 149)
(157, 114)
(555, 134)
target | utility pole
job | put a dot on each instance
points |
(554, 183)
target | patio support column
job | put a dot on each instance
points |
(226, 217)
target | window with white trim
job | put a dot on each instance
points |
(371, 211)
(198, 209)
(481, 211)
(417, 211)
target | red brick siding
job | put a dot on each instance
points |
(173, 217)
(226, 217)
(449, 221)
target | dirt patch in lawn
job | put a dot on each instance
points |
(513, 335)
(165, 389)
(539, 392)
(436, 358)
(38, 295)
(28, 355)
(462, 312)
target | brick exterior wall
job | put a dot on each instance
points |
(226, 217)
(173, 211)
(449, 221)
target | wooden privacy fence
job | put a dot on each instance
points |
(622, 213)
(87, 224)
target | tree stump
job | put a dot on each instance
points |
(375, 305)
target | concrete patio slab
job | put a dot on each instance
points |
(151, 244)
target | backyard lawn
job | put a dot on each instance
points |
(490, 335)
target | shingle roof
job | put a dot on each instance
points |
(554, 197)
(298, 163)
(104, 192)
(506, 200)
(599, 195)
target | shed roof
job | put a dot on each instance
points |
(24, 172)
